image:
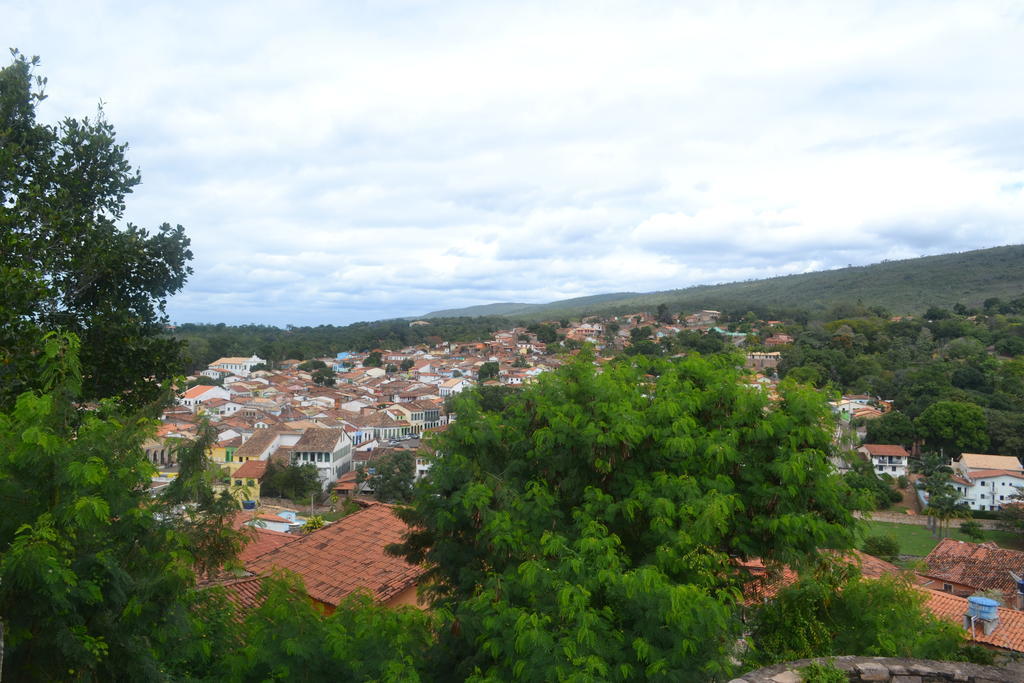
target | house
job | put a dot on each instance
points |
(453, 386)
(886, 458)
(987, 482)
(963, 568)
(246, 480)
(239, 366)
(203, 392)
(969, 462)
(1003, 632)
(346, 556)
(778, 339)
(329, 449)
(760, 360)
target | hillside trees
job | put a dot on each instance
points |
(588, 527)
(65, 264)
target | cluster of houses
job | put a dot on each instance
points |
(261, 415)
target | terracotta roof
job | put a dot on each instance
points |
(983, 461)
(256, 444)
(319, 440)
(198, 390)
(886, 449)
(1008, 634)
(244, 593)
(982, 566)
(252, 469)
(262, 542)
(765, 585)
(347, 555)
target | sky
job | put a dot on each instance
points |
(342, 161)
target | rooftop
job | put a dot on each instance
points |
(346, 556)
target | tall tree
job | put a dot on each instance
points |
(588, 529)
(953, 427)
(65, 261)
(93, 581)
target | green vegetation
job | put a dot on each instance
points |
(883, 546)
(206, 343)
(906, 287)
(585, 527)
(66, 265)
(588, 527)
(392, 476)
(915, 539)
(835, 612)
(295, 482)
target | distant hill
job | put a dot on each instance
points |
(902, 287)
(532, 310)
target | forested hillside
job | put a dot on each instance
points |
(903, 287)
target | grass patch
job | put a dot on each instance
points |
(918, 540)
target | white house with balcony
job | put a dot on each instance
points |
(888, 459)
(987, 482)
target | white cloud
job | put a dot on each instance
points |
(342, 161)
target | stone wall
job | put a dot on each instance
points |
(897, 670)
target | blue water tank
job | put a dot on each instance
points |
(982, 608)
(248, 504)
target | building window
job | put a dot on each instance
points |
(948, 587)
(238, 482)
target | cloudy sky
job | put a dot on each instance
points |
(343, 161)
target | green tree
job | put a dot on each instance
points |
(892, 428)
(287, 638)
(954, 428)
(587, 529)
(972, 529)
(311, 365)
(373, 360)
(836, 612)
(94, 575)
(295, 482)
(324, 377)
(392, 477)
(883, 546)
(488, 370)
(65, 264)
(406, 364)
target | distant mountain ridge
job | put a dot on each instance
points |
(907, 286)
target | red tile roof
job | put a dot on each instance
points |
(886, 449)
(345, 556)
(262, 542)
(252, 469)
(244, 593)
(983, 566)
(1008, 634)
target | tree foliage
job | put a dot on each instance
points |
(295, 482)
(587, 529)
(834, 611)
(66, 264)
(392, 476)
(92, 579)
(954, 427)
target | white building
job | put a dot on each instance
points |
(886, 458)
(238, 366)
(987, 482)
(201, 393)
(329, 449)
